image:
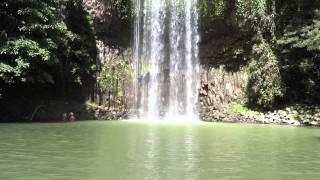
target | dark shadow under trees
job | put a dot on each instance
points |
(64, 75)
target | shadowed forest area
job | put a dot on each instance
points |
(48, 58)
(277, 41)
(47, 52)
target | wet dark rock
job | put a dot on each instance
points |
(111, 114)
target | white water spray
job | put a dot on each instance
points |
(166, 59)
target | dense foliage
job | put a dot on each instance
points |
(299, 52)
(280, 49)
(30, 34)
(112, 77)
(45, 42)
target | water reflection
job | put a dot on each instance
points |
(191, 163)
(151, 162)
(143, 151)
(192, 152)
(167, 153)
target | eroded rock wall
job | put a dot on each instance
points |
(101, 11)
(223, 72)
(218, 86)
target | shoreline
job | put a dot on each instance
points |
(209, 122)
(225, 114)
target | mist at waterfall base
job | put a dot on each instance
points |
(165, 59)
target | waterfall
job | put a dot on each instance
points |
(165, 59)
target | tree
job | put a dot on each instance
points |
(31, 33)
(46, 42)
(300, 57)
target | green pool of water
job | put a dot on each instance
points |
(158, 151)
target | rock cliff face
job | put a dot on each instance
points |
(101, 10)
(222, 74)
(218, 85)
